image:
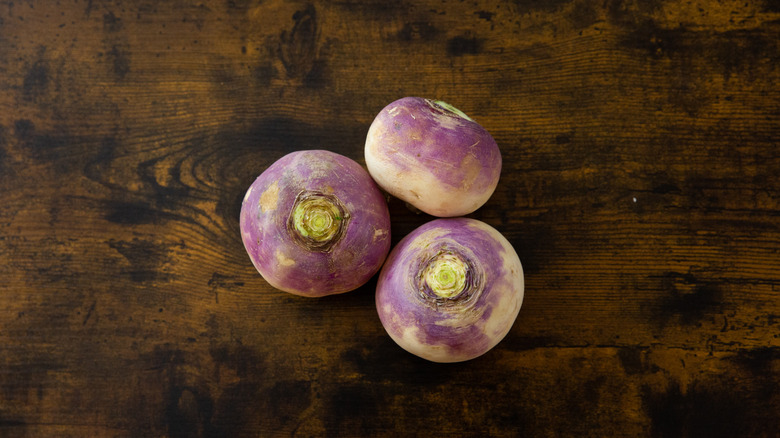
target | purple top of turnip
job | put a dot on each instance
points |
(450, 290)
(315, 224)
(433, 156)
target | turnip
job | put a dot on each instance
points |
(314, 223)
(433, 156)
(450, 290)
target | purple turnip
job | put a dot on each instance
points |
(450, 290)
(433, 156)
(314, 224)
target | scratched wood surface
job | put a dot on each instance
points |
(640, 188)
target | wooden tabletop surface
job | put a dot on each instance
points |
(639, 187)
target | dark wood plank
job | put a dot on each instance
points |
(639, 188)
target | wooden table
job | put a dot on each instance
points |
(639, 187)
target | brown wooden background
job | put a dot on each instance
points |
(640, 189)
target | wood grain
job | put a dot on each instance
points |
(640, 188)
